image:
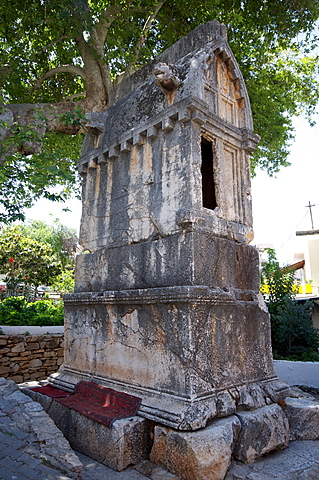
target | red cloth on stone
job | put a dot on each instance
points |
(101, 404)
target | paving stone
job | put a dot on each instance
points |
(28, 459)
(306, 450)
(5, 405)
(162, 474)
(33, 407)
(10, 464)
(13, 430)
(44, 469)
(6, 420)
(12, 453)
(257, 476)
(311, 473)
(11, 440)
(7, 474)
(6, 389)
(236, 472)
(94, 470)
(26, 470)
(15, 398)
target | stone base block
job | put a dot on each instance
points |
(201, 455)
(303, 417)
(126, 443)
(262, 431)
(191, 258)
(180, 412)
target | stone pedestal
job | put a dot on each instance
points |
(167, 304)
(158, 343)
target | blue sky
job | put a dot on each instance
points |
(279, 204)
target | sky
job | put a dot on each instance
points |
(279, 204)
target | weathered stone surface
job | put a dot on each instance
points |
(226, 404)
(150, 342)
(303, 417)
(19, 347)
(167, 304)
(24, 356)
(262, 431)
(146, 129)
(127, 442)
(275, 389)
(201, 455)
(166, 261)
(154, 472)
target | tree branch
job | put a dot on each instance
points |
(63, 37)
(138, 47)
(108, 16)
(73, 69)
(22, 126)
(75, 95)
(95, 66)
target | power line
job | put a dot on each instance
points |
(294, 231)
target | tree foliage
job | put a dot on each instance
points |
(279, 281)
(47, 249)
(61, 239)
(25, 261)
(292, 330)
(61, 55)
(49, 174)
(35, 253)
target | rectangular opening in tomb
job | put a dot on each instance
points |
(207, 171)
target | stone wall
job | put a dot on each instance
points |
(30, 357)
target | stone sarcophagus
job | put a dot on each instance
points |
(166, 303)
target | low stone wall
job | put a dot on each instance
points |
(30, 357)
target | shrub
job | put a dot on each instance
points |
(12, 310)
(17, 311)
(293, 334)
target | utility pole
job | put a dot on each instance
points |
(311, 217)
(312, 231)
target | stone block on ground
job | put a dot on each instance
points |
(262, 430)
(126, 443)
(298, 462)
(44, 400)
(201, 455)
(303, 417)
